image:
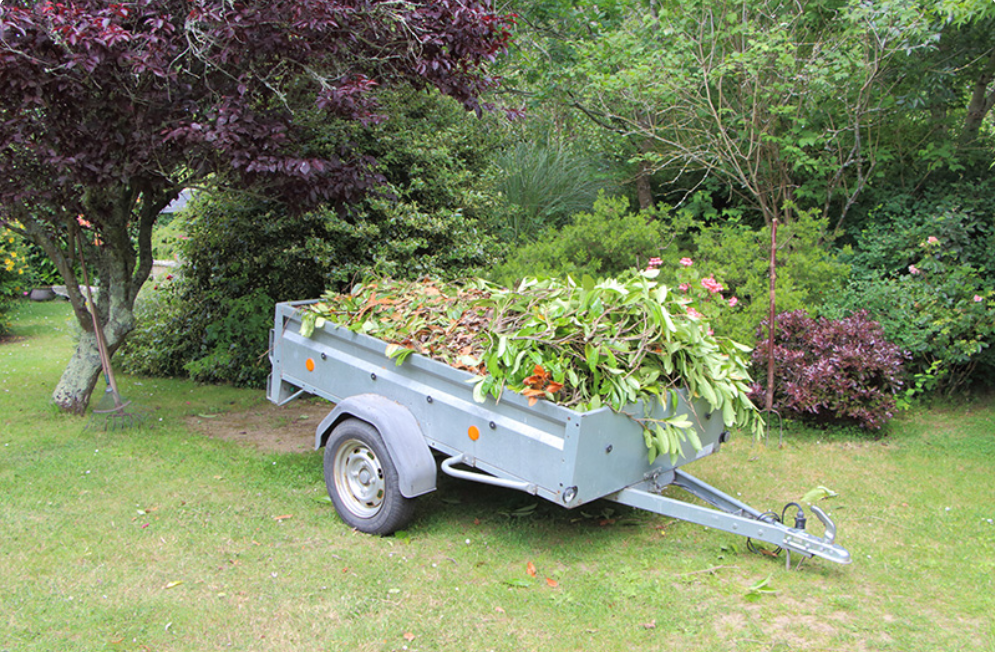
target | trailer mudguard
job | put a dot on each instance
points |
(401, 435)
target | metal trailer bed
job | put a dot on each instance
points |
(388, 419)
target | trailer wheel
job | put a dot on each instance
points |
(362, 480)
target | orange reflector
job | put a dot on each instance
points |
(474, 433)
(309, 363)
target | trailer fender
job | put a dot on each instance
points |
(401, 435)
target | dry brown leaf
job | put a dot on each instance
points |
(553, 583)
(408, 636)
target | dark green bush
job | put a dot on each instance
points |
(925, 269)
(244, 254)
(738, 256)
(604, 242)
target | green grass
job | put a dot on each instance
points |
(162, 539)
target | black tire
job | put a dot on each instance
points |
(362, 480)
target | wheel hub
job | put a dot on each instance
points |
(359, 478)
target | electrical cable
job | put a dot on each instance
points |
(752, 547)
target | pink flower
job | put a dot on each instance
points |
(978, 298)
(694, 313)
(733, 301)
(933, 240)
(684, 287)
(711, 285)
(686, 262)
(914, 270)
(654, 263)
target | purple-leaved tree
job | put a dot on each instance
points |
(109, 110)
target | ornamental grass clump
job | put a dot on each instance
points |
(614, 342)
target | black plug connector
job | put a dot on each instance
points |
(800, 520)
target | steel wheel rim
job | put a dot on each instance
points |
(359, 478)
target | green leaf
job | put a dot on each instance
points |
(480, 388)
(692, 437)
(819, 493)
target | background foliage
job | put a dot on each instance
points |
(590, 177)
(925, 267)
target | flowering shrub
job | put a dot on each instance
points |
(705, 294)
(737, 257)
(831, 371)
(11, 274)
(940, 308)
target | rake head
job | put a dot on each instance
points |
(112, 413)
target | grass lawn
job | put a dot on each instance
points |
(164, 539)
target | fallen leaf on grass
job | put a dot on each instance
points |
(283, 518)
(760, 589)
(531, 569)
(173, 584)
(408, 636)
(818, 494)
(650, 625)
(553, 583)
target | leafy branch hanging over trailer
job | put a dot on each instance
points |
(388, 419)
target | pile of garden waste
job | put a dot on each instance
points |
(613, 342)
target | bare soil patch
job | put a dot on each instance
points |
(267, 427)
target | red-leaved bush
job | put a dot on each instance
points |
(831, 371)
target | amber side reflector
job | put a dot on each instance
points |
(309, 363)
(474, 433)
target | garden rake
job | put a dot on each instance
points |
(111, 411)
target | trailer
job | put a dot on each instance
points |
(392, 421)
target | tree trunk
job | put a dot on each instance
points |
(644, 191)
(981, 103)
(80, 376)
(84, 369)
